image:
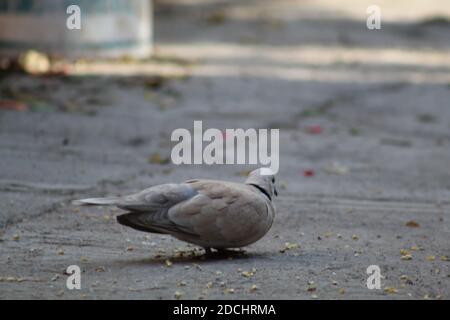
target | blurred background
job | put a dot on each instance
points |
(364, 119)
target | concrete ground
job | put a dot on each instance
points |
(364, 119)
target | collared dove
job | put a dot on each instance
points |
(209, 213)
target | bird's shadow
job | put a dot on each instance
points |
(195, 258)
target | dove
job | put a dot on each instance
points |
(212, 214)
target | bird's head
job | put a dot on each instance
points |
(264, 180)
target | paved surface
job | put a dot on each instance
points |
(364, 120)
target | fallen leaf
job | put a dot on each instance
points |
(390, 290)
(156, 158)
(404, 252)
(406, 257)
(155, 82)
(412, 224)
(247, 274)
(431, 258)
(253, 288)
(311, 288)
(289, 246)
(308, 173)
(228, 290)
(168, 263)
(316, 129)
(336, 168)
(13, 105)
(216, 18)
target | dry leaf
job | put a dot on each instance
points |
(289, 246)
(253, 288)
(412, 224)
(247, 274)
(390, 290)
(404, 252)
(155, 158)
(228, 290)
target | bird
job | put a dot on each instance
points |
(212, 214)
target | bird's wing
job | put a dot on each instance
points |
(222, 211)
(147, 210)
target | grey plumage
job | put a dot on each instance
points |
(208, 213)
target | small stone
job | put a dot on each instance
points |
(178, 295)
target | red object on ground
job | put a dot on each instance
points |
(314, 129)
(309, 173)
(13, 105)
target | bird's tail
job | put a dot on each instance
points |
(109, 201)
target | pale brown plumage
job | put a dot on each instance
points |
(208, 213)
